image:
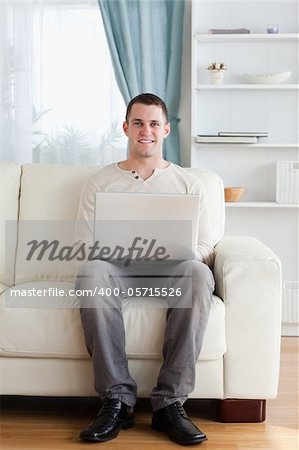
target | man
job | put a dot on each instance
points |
(145, 170)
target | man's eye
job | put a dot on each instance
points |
(137, 124)
(155, 124)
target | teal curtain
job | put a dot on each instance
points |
(145, 41)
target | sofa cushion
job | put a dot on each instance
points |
(34, 331)
(10, 174)
(3, 288)
(215, 193)
(48, 207)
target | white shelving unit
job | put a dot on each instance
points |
(259, 145)
(260, 205)
(236, 105)
(253, 87)
(257, 37)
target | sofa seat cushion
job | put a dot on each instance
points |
(50, 327)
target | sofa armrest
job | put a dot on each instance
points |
(248, 279)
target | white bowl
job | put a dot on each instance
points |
(268, 79)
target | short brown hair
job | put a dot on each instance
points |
(147, 99)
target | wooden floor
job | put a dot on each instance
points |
(54, 424)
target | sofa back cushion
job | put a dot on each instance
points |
(10, 174)
(215, 194)
(48, 209)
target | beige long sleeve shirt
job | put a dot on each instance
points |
(171, 180)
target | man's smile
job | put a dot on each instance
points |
(146, 141)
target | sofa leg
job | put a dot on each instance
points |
(239, 410)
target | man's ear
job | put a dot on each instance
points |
(125, 127)
(167, 129)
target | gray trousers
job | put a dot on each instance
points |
(186, 321)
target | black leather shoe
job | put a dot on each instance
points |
(113, 416)
(173, 420)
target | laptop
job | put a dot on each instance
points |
(148, 227)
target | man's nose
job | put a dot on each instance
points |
(146, 127)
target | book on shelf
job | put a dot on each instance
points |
(229, 31)
(244, 133)
(211, 138)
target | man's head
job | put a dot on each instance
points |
(147, 99)
(146, 126)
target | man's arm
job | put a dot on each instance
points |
(205, 250)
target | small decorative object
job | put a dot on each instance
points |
(216, 72)
(268, 79)
(233, 194)
(272, 28)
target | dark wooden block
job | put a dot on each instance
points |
(238, 410)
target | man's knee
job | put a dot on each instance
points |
(95, 268)
(202, 274)
(202, 285)
(94, 285)
(198, 272)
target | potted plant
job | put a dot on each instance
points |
(216, 72)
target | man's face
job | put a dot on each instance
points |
(146, 129)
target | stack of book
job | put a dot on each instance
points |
(232, 137)
(229, 31)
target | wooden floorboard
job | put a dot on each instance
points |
(54, 424)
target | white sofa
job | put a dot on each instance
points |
(42, 350)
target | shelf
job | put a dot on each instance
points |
(223, 87)
(260, 205)
(240, 105)
(259, 145)
(251, 37)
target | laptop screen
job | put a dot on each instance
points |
(146, 226)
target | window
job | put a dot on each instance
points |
(75, 104)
